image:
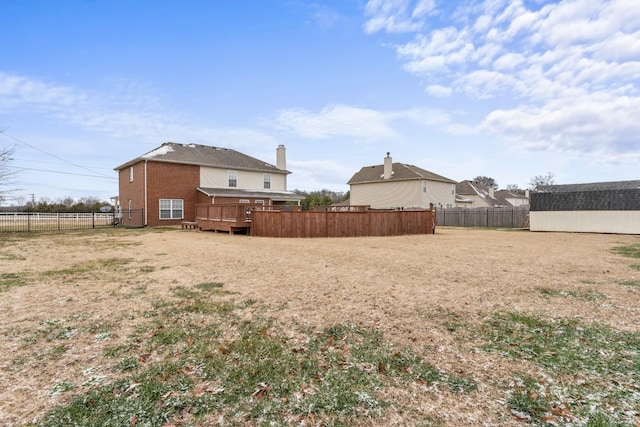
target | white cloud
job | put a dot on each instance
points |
(439, 91)
(560, 75)
(128, 112)
(338, 120)
(396, 16)
(365, 125)
(22, 93)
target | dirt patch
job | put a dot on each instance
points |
(417, 290)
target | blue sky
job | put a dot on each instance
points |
(503, 88)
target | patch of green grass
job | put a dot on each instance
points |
(182, 292)
(117, 350)
(589, 295)
(12, 280)
(632, 283)
(635, 267)
(62, 387)
(599, 367)
(209, 286)
(127, 363)
(8, 256)
(213, 367)
(89, 267)
(631, 251)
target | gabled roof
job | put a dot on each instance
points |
(279, 196)
(503, 196)
(594, 186)
(401, 172)
(512, 194)
(472, 188)
(203, 155)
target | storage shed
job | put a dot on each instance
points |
(601, 207)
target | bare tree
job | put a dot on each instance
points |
(540, 181)
(513, 187)
(487, 181)
(7, 173)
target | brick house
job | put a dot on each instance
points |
(166, 183)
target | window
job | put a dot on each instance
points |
(259, 202)
(453, 189)
(233, 178)
(244, 201)
(171, 209)
(129, 209)
(424, 186)
(131, 174)
(267, 180)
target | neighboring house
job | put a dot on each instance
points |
(601, 207)
(471, 194)
(167, 182)
(513, 198)
(397, 185)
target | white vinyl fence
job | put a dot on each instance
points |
(39, 221)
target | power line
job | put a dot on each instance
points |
(66, 173)
(3, 132)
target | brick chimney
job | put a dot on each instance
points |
(388, 168)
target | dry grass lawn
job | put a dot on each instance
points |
(69, 300)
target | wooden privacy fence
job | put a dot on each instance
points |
(516, 217)
(334, 223)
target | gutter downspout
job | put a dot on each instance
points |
(146, 205)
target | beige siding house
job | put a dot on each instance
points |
(398, 185)
(471, 194)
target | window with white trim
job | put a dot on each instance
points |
(267, 181)
(244, 201)
(233, 178)
(129, 208)
(131, 174)
(424, 186)
(171, 209)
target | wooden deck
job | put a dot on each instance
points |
(232, 218)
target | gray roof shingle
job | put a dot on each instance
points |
(401, 172)
(253, 194)
(204, 155)
(618, 195)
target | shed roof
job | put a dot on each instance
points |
(401, 172)
(618, 195)
(204, 155)
(593, 186)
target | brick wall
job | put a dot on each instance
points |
(171, 181)
(131, 190)
(164, 181)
